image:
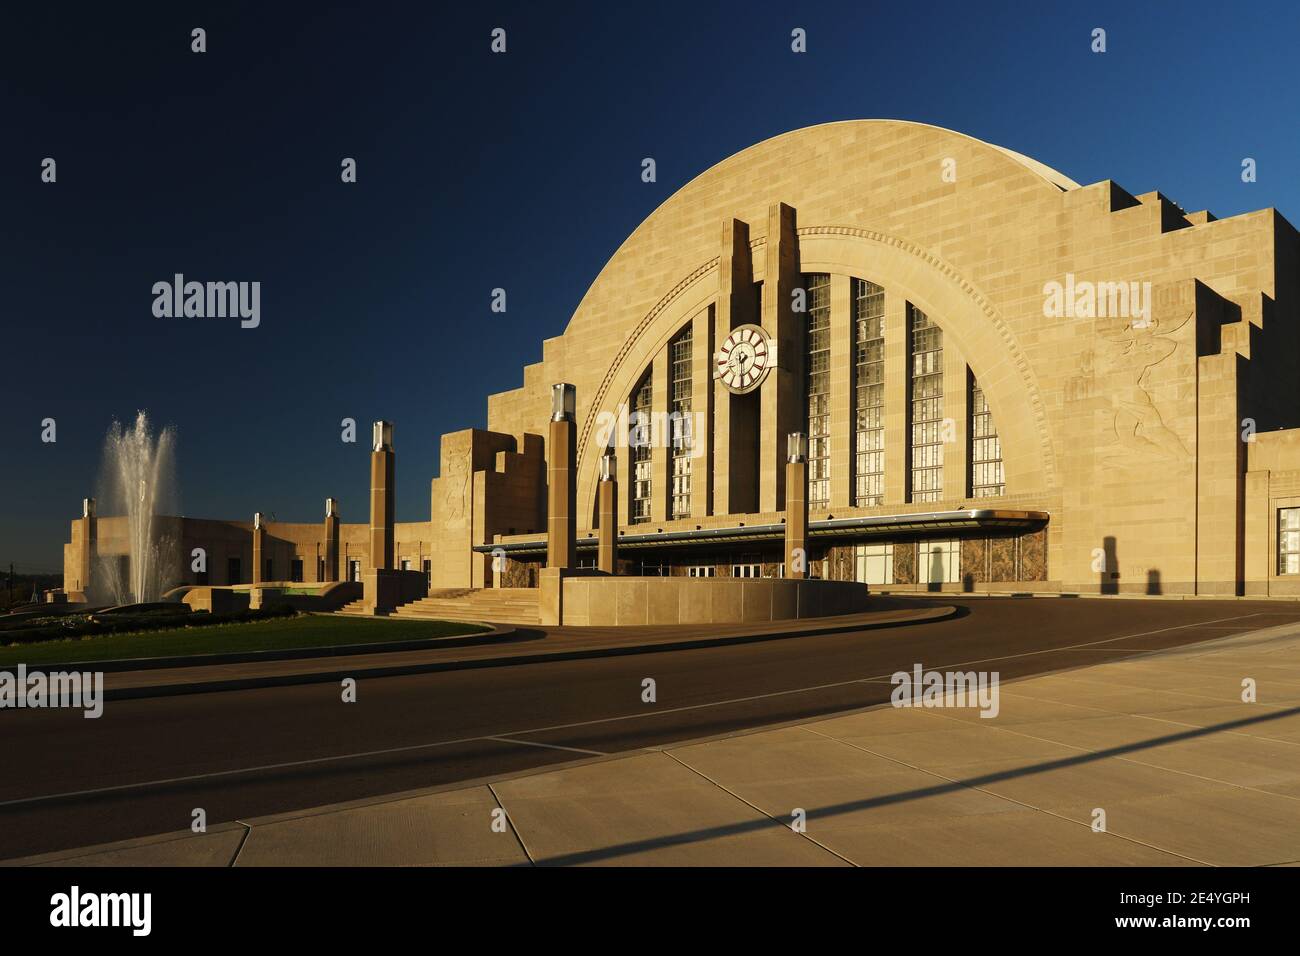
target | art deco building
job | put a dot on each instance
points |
(1008, 381)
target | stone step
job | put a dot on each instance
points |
(499, 605)
(494, 618)
(445, 603)
(464, 611)
(475, 602)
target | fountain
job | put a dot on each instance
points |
(137, 482)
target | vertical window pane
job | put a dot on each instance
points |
(679, 353)
(874, 563)
(639, 450)
(818, 288)
(1288, 541)
(940, 562)
(925, 346)
(986, 479)
(869, 394)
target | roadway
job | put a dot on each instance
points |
(146, 764)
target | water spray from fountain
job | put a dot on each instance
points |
(137, 481)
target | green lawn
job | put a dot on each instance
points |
(275, 634)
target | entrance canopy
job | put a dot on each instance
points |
(920, 524)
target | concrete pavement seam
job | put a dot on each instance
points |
(1167, 720)
(804, 834)
(248, 831)
(1179, 693)
(535, 743)
(69, 855)
(999, 796)
(1175, 693)
(1142, 763)
(513, 828)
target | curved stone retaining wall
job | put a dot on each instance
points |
(625, 600)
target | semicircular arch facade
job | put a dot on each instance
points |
(905, 270)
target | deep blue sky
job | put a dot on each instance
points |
(477, 171)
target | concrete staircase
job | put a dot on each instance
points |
(354, 607)
(496, 605)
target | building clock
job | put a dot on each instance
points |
(744, 358)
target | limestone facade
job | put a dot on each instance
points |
(1139, 411)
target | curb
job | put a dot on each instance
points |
(929, 615)
(281, 654)
(1086, 596)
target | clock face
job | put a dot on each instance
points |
(744, 359)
